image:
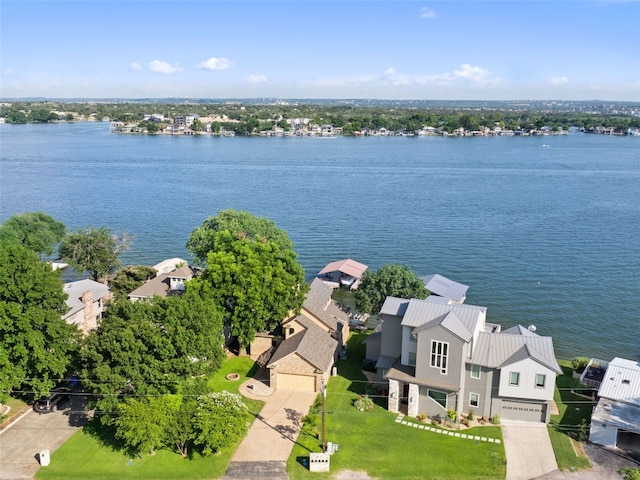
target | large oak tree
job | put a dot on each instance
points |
(36, 345)
(35, 230)
(393, 280)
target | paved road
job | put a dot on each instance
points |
(528, 450)
(22, 442)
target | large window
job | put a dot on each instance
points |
(439, 352)
(474, 399)
(514, 379)
(439, 397)
(540, 380)
(475, 371)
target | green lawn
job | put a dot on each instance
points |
(572, 409)
(374, 442)
(86, 455)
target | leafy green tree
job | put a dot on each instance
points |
(129, 278)
(142, 422)
(202, 239)
(94, 249)
(257, 282)
(150, 348)
(393, 280)
(36, 345)
(180, 430)
(220, 419)
(35, 230)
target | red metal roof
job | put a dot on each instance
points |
(347, 266)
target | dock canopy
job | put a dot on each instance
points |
(346, 272)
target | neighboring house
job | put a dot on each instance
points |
(438, 357)
(310, 342)
(86, 304)
(447, 290)
(303, 361)
(169, 281)
(615, 422)
(345, 272)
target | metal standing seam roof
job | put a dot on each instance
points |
(74, 290)
(449, 321)
(494, 350)
(621, 382)
(444, 287)
(346, 266)
(422, 311)
(394, 306)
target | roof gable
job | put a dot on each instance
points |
(312, 344)
(450, 322)
(495, 350)
(75, 290)
(419, 312)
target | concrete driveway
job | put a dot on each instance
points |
(22, 442)
(266, 448)
(528, 450)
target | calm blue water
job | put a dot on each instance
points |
(498, 214)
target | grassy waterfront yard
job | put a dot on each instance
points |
(98, 456)
(572, 409)
(373, 442)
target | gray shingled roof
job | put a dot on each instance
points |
(313, 344)
(494, 350)
(444, 287)
(322, 306)
(156, 286)
(74, 290)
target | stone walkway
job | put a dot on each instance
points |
(451, 433)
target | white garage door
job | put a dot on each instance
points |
(296, 382)
(523, 411)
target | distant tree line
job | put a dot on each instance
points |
(249, 118)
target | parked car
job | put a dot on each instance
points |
(56, 398)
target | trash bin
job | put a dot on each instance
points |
(44, 458)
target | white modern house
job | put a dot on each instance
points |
(438, 357)
(615, 422)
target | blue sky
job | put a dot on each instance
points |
(486, 50)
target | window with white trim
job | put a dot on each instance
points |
(540, 380)
(475, 371)
(438, 396)
(439, 355)
(474, 399)
(514, 379)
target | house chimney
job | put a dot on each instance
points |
(88, 317)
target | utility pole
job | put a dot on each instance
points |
(323, 389)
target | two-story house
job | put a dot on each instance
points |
(438, 357)
(85, 299)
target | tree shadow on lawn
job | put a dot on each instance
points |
(104, 435)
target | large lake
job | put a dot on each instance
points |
(545, 230)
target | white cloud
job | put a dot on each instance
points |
(215, 63)
(159, 66)
(388, 72)
(426, 12)
(558, 81)
(136, 67)
(257, 79)
(471, 73)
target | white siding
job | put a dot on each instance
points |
(605, 435)
(526, 389)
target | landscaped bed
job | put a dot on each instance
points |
(373, 442)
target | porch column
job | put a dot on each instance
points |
(412, 404)
(393, 396)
